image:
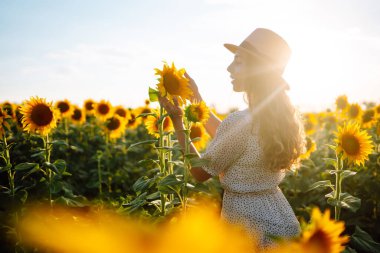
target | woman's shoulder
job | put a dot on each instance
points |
(237, 118)
(236, 114)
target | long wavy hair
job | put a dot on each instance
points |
(281, 129)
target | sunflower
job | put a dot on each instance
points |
(323, 234)
(9, 109)
(368, 118)
(121, 111)
(65, 108)
(354, 144)
(89, 106)
(310, 123)
(354, 111)
(115, 126)
(377, 111)
(78, 116)
(4, 124)
(144, 109)
(341, 103)
(103, 110)
(197, 112)
(39, 116)
(172, 83)
(198, 130)
(310, 148)
(133, 121)
(151, 124)
(378, 127)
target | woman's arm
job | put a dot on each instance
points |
(213, 122)
(176, 115)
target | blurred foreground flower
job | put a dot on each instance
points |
(198, 230)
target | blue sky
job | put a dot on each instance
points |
(108, 49)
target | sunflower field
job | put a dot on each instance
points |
(99, 177)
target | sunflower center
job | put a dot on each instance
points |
(41, 115)
(368, 116)
(77, 115)
(341, 103)
(171, 83)
(195, 132)
(354, 111)
(113, 124)
(121, 112)
(319, 242)
(103, 109)
(89, 106)
(350, 144)
(63, 107)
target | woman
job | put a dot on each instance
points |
(252, 149)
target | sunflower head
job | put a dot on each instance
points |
(121, 111)
(78, 116)
(103, 110)
(4, 122)
(65, 108)
(115, 126)
(353, 144)
(9, 108)
(310, 148)
(89, 106)
(310, 123)
(197, 130)
(133, 122)
(323, 234)
(145, 109)
(151, 124)
(172, 83)
(39, 116)
(354, 111)
(197, 112)
(368, 118)
(341, 102)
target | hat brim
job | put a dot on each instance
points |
(233, 49)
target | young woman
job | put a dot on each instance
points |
(252, 149)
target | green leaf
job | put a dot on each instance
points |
(60, 165)
(59, 142)
(169, 180)
(35, 169)
(363, 242)
(25, 166)
(347, 173)
(350, 202)
(330, 161)
(331, 146)
(141, 143)
(142, 184)
(349, 250)
(39, 153)
(325, 183)
(198, 162)
(6, 167)
(153, 95)
(153, 196)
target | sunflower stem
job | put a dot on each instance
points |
(338, 187)
(108, 153)
(187, 165)
(99, 159)
(11, 174)
(47, 159)
(66, 130)
(162, 156)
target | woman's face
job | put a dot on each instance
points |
(238, 72)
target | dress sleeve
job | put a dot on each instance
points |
(228, 145)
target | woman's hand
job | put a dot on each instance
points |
(175, 111)
(194, 88)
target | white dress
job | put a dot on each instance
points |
(251, 195)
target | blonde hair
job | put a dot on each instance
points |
(281, 129)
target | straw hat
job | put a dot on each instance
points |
(267, 46)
